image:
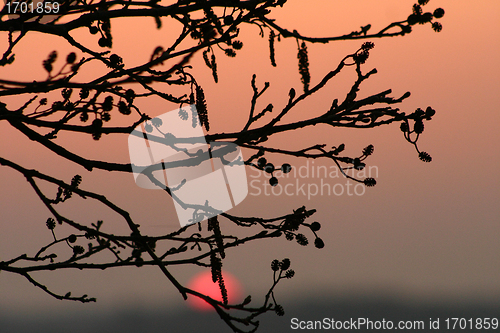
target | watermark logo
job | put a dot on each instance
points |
(311, 180)
(204, 179)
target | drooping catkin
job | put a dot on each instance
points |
(271, 48)
(304, 66)
(201, 107)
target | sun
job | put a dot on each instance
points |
(203, 283)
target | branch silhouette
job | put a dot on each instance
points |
(64, 104)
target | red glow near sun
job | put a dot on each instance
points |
(203, 283)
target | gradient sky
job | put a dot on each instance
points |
(426, 231)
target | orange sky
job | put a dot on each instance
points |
(426, 230)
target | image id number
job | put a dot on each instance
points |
(16, 7)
